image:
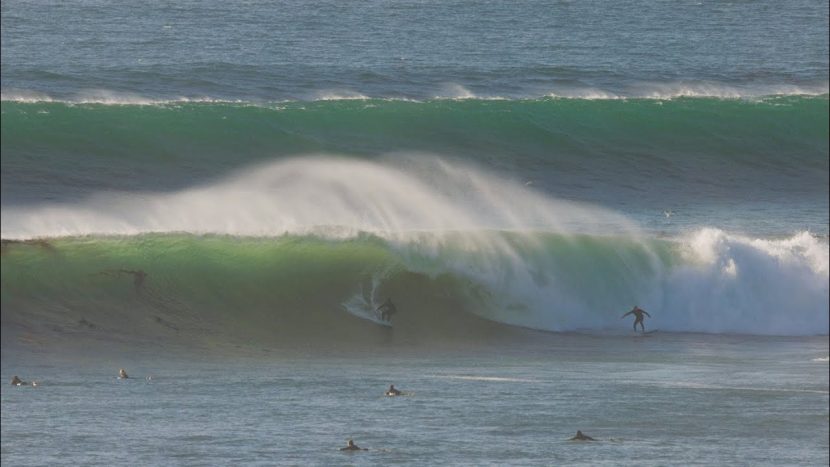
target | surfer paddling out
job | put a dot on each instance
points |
(638, 317)
(351, 446)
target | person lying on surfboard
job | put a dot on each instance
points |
(387, 309)
(638, 317)
(392, 391)
(353, 447)
(581, 437)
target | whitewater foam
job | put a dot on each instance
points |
(449, 91)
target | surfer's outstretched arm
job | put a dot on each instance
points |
(646, 313)
(623, 316)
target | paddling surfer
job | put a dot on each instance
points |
(392, 391)
(581, 437)
(353, 447)
(638, 317)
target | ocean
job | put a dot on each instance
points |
(217, 196)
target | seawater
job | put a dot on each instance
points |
(669, 399)
(514, 177)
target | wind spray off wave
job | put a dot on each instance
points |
(426, 227)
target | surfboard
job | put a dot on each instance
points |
(364, 311)
(646, 334)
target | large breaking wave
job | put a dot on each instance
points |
(276, 250)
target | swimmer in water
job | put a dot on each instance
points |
(350, 446)
(392, 391)
(17, 381)
(638, 317)
(122, 374)
(581, 437)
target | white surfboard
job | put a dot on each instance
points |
(358, 307)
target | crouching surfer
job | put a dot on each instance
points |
(392, 391)
(350, 446)
(386, 310)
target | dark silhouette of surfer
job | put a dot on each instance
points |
(387, 309)
(581, 437)
(638, 317)
(16, 381)
(4, 244)
(350, 446)
(139, 276)
(392, 391)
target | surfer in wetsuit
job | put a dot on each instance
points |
(5, 242)
(581, 437)
(387, 309)
(17, 381)
(353, 447)
(392, 391)
(138, 278)
(122, 374)
(638, 317)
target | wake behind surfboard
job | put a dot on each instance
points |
(357, 306)
(363, 305)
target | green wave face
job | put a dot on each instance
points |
(703, 139)
(160, 131)
(451, 285)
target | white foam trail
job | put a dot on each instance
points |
(495, 379)
(338, 95)
(646, 90)
(690, 385)
(455, 91)
(666, 91)
(109, 97)
(24, 96)
(821, 359)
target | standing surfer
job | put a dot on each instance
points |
(638, 317)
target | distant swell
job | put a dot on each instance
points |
(713, 150)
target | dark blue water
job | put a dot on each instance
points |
(259, 50)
